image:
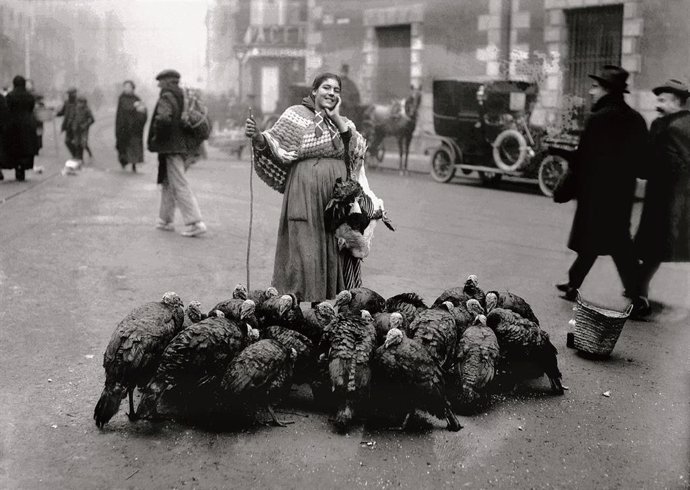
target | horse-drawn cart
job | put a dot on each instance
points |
(484, 128)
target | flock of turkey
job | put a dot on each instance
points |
(361, 354)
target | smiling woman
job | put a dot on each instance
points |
(303, 155)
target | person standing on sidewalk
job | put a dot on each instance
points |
(664, 231)
(130, 120)
(21, 131)
(167, 138)
(612, 148)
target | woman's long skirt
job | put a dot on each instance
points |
(130, 149)
(307, 262)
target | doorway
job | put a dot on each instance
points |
(393, 67)
(270, 88)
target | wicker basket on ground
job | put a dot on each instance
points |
(597, 328)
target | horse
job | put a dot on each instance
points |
(397, 119)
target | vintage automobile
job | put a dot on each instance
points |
(484, 127)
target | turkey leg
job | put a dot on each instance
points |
(132, 414)
(453, 424)
(275, 418)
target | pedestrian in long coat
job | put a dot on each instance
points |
(664, 231)
(130, 120)
(302, 156)
(21, 131)
(67, 112)
(4, 119)
(78, 130)
(612, 148)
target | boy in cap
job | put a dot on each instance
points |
(167, 138)
(664, 231)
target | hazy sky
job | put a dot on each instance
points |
(163, 34)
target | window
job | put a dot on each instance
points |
(595, 37)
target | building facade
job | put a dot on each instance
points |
(257, 48)
(60, 43)
(392, 45)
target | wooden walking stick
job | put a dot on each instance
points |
(251, 202)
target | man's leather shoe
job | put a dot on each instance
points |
(570, 294)
(563, 287)
(641, 309)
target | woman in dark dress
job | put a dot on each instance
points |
(305, 151)
(129, 127)
(20, 135)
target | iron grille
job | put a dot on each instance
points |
(595, 37)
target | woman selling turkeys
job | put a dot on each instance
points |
(303, 155)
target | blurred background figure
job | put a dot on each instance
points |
(40, 106)
(349, 94)
(130, 120)
(21, 131)
(4, 119)
(78, 130)
(67, 112)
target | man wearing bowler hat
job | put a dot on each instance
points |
(611, 150)
(664, 232)
(167, 138)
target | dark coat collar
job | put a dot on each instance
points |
(608, 100)
(676, 115)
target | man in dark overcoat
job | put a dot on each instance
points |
(4, 119)
(611, 150)
(21, 130)
(664, 231)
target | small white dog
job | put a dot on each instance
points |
(71, 167)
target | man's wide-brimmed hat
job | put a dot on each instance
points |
(612, 77)
(672, 86)
(168, 74)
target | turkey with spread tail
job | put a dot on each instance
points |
(134, 350)
(407, 378)
(475, 366)
(348, 345)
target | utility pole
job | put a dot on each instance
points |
(28, 35)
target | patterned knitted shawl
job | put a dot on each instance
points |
(292, 139)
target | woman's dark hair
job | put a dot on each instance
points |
(131, 83)
(323, 77)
